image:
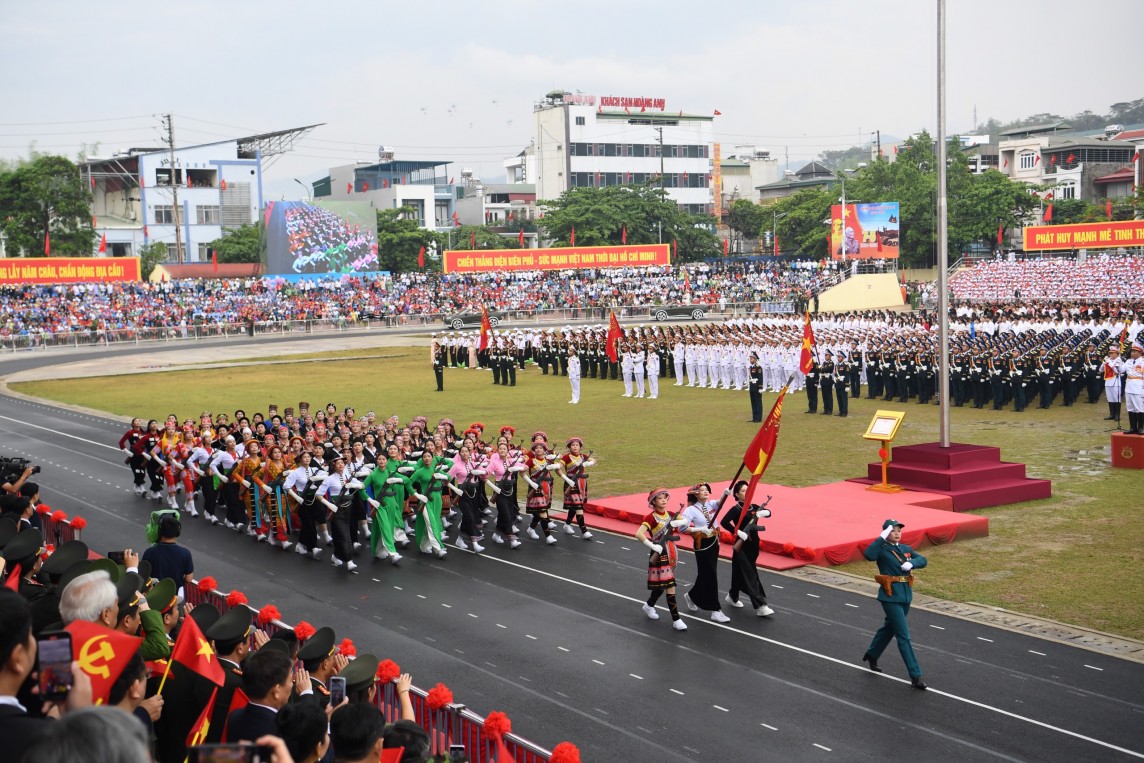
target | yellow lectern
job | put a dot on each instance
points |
(884, 428)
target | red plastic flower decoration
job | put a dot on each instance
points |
(347, 648)
(48, 551)
(439, 696)
(268, 614)
(78, 523)
(43, 508)
(497, 724)
(303, 630)
(565, 752)
(59, 515)
(387, 670)
(788, 548)
(208, 584)
(235, 598)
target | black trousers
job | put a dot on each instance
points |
(811, 396)
(235, 511)
(507, 508)
(745, 575)
(309, 516)
(828, 397)
(439, 375)
(756, 404)
(470, 511)
(343, 530)
(840, 391)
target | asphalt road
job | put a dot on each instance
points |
(554, 637)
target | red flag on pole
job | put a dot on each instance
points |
(194, 652)
(572, 238)
(472, 239)
(238, 700)
(675, 249)
(94, 221)
(198, 732)
(726, 246)
(614, 334)
(624, 234)
(47, 244)
(486, 329)
(421, 258)
(349, 187)
(762, 447)
(718, 113)
(520, 236)
(222, 186)
(776, 244)
(1049, 213)
(1000, 234)
(365, 186)
(103, 244)
(805, 359)
(92, 178)
(456, 220)
(1108, 208)
(145, 231)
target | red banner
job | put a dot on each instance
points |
(562, 258)
(1104, 235)
(68, 269)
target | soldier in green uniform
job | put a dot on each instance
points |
(895, 562)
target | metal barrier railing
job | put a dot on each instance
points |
(451, 724)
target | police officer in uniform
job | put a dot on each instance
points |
(755, 388)
(826, 382)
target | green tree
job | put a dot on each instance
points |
(600, 215)
(43, 196)
(803, 220)
(238, 244)
(151, 255)
(400, 238)
(748, 218)
(484, 237)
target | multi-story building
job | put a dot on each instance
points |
(597, 141)
(140, 196)
(424, 186)
(744, 171)
(1052, 155)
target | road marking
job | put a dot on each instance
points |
(816, 744)
(768, 726)
(692, 750)
(420, 596)
(598, 662)
(446, 606)
(633, 675)
(835, 660)
(718, 707)
(473, 616)
(1093, 667)
(62, 434)
(982, 638)
(562, 649)
(1039, 654)
(814, 596)
(502, 626)
(776, 586)
(598, 710)
(489, 664)
(938, 627)
(398, 588)
(375, 580)
(677, 691)
(530, 636)
(852, 605)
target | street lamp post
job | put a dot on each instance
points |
(306, 188)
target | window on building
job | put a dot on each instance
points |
(207, 215)
(1028, 160)
(1067, 191)
(164, 214)
(441, 213)
(204, 252)
(580, 121)
(172, 253)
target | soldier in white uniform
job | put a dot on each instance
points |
(1134, 388)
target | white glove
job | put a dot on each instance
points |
(886, 532)
(421, 497)
(294, 495)
(245, 483)
(161, 461)
(406, 469)
(907, 566)
(763, 513)
(440, 475)
(223, 478)
(354, 485)
(551, 457)
(146, 455)
(329, 505)
(727, 491)
(532, 484)
(455, 489)
(591, 462)
(479, 471)
(373, 503)
(677, 523)
(126, 451)
(552, 467)
(363, 472)
(196, 470)
(318, 478)
(653, 546)
(516, 468)
(393, 481)
(491, 484)
(417, 453)
(742, 535)
(568, 479)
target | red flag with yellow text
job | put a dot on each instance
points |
(614, 335)
(486, 329)
(805, 359)
(101, 653)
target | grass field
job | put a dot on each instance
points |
(1074, 557)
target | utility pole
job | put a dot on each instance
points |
(879, 134)
(169, 123)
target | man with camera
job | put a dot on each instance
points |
(16, 472)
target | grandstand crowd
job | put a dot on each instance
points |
(1099, 277)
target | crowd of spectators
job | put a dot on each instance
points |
(34, 309)
(1096, 278)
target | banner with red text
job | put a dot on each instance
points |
(1103, 235)
(68, 269)
(559, 258)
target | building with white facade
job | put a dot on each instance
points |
(598, 141)
(139, 196)
(424, 186)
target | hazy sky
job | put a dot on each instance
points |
(457, 80)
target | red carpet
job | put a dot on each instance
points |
(823, 524)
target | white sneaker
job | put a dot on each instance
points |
(140, 490)
(551, 539)
(441, 553)
(461, 544)
(351, 566)
(328, 539)
(626, 395)
(650, 612)
(764, 611)
(515, 530)
(261, 537)
(192, 511)
(551, 525)
(228, 524)
(477, 548)
(513, 543)
(719, 617)
(364, 529)
(394, 558)
(533, 534)
(732, 602)
(679, 625)
(357, 545)
(690, 604)
(174, 504)
(568, 530)
(286, 544)
(638, 397)
(301, 550)
(587, 535)
(240, 527)
(497, 538)
(653, 397)
(381, 553)
(316, 553)
(271, 540)
(212, 519)
(338, 562)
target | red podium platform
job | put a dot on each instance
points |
(822, 524)
(973, 476)
(1127, 451)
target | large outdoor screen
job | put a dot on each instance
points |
(864, 231)
(324, 236)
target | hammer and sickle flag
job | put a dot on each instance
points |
(102, 654)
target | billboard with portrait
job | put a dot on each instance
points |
(320, 237)
(865, 231)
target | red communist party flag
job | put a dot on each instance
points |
(421, 258)
(101, 653)
(614, 334)
(103, 244)
(486, 329)
(805, 359)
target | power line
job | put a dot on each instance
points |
(73, 121)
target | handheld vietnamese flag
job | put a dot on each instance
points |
(194, 652)
(201, 727)
(238, 700)
(614, 335)
(805, 359)
(103, 244)
(421, 258)
(101, 653)
(486, 329)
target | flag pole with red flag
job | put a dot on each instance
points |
(572, 238)
(624, 234)
(805, 359)
(47, 244)
(103, 244)
(486, 329)
(762, 450)
(614, 335)
(421, 258)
